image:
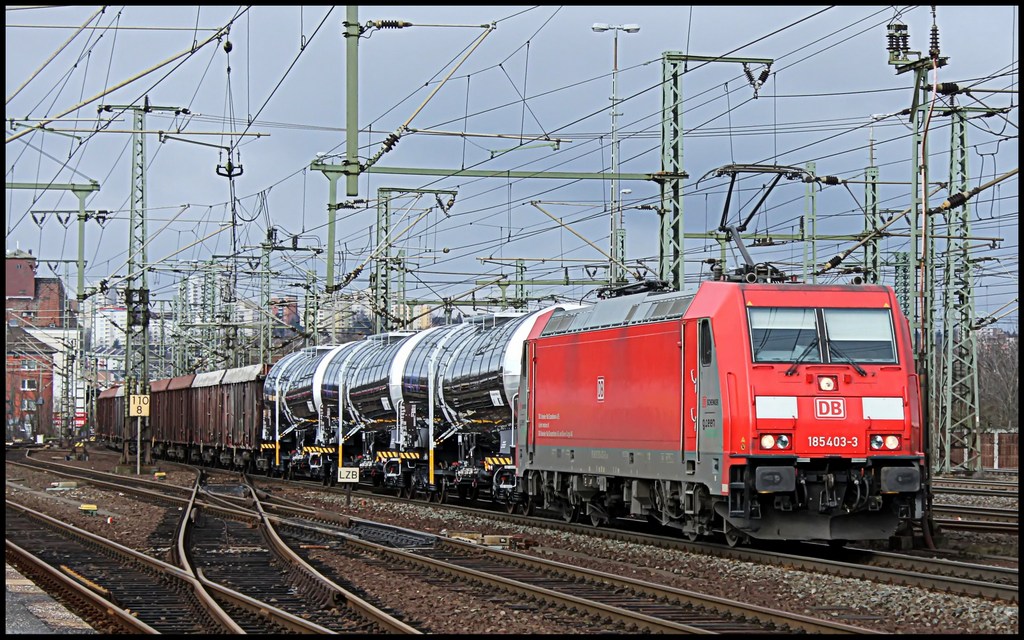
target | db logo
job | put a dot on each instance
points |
(829, 407)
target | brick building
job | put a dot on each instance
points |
(286, 310)
(41, 335)
(29, 380)
(37, 302)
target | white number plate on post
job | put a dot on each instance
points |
(348, 474)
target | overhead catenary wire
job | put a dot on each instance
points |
(695, 133)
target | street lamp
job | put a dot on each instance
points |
(618, 233)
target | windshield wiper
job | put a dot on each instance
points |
(807, 350)
(834, 349)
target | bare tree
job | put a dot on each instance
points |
(998, 367)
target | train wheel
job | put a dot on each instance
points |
(692, 536)
(733, 536)
(526, 507)
(597, 519)
(511, 506)
(442, 491)
(570, 513)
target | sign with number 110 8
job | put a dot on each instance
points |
(138, 406)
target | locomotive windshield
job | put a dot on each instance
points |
(862, 335)
(783, 335)
(851, 335)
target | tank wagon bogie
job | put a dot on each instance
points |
(753, 411)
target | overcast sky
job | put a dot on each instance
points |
(284, 78)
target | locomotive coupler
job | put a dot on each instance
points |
(827, 499)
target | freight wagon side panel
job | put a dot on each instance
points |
(609, 401)
(159, 409)
(244, 406)
(180, 419)
(209, 409)
(110, 413)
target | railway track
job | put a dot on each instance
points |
(631, 604)
(241, 550)
(979, 584)
(200, 599)
(980, 519)
(977, 519)
(940, 575)
(976, 487)
(160, 597)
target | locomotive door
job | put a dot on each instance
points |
(709, 406)
(529, 370)
(690, 381)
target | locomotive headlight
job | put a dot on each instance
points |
(782, 442)
(876, 441)
(892, 442)
(827, 383)
(767, 441)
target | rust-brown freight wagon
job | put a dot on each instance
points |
(157, 412)
(110, 415)
(242, 402)
(171, 417)
(207, 413)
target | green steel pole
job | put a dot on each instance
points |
(352, 31)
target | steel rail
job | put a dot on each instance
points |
(908, 577)
(128, 553)
(363, 608)
(647, 622)
(100, 607)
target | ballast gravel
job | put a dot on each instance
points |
(447, 608)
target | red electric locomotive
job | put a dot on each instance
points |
(763, 411)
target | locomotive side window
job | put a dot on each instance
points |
(784, 335)
(705, 342)
(860, 335)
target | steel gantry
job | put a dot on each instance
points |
(388, 279)
(950, 369)
(958, 418)
(922, 321)
(136, 344)
(81, 191)
(671, 267)
(872, 221)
